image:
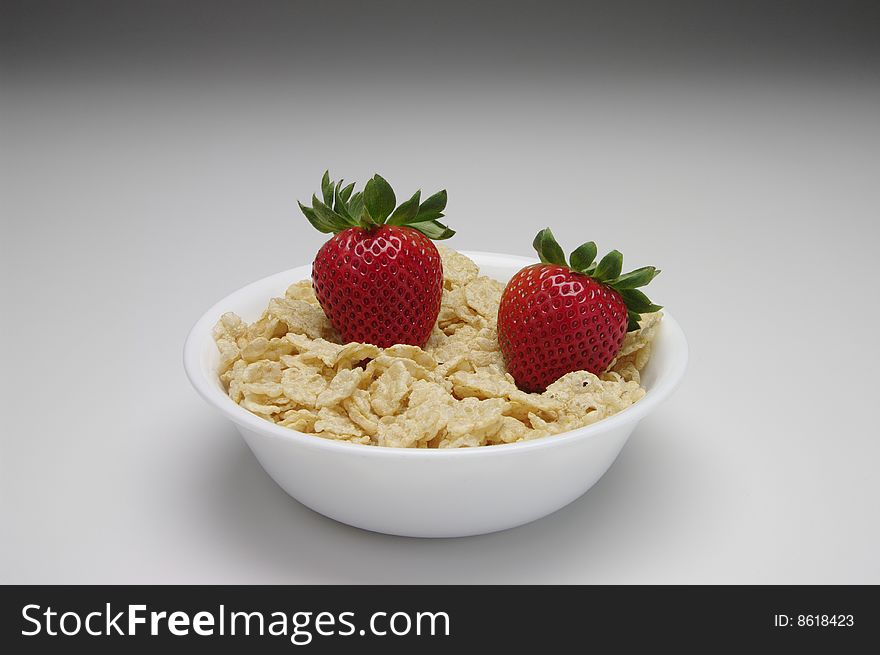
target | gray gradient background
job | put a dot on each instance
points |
(151, 158)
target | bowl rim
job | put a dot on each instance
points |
(202, 330)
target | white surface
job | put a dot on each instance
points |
(128, 207)
(428, 493)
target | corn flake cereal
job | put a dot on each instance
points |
(290, 368)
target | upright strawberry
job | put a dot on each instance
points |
(557, 317)
(379, 279)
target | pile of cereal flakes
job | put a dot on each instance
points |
(290, 368)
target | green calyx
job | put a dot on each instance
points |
(340, 208)
(606, 271)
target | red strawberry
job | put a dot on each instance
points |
(379, 279)
(556, 318)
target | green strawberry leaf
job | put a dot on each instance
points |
(328, 217)
(335, 205)
(356, 207)
(432, 229)
(407, 212)
(609, 267)
(313, 218)
(433, 207)
(637, 278)
(379, 199)
(548, 249)
(341, 207)
(317, 221)
(345, 194)
(327, 188)
(633, 322)
(583, 256)
(638, 302)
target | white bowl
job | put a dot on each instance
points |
(422, 492)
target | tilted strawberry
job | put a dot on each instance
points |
(557, 317)
(379, 279)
